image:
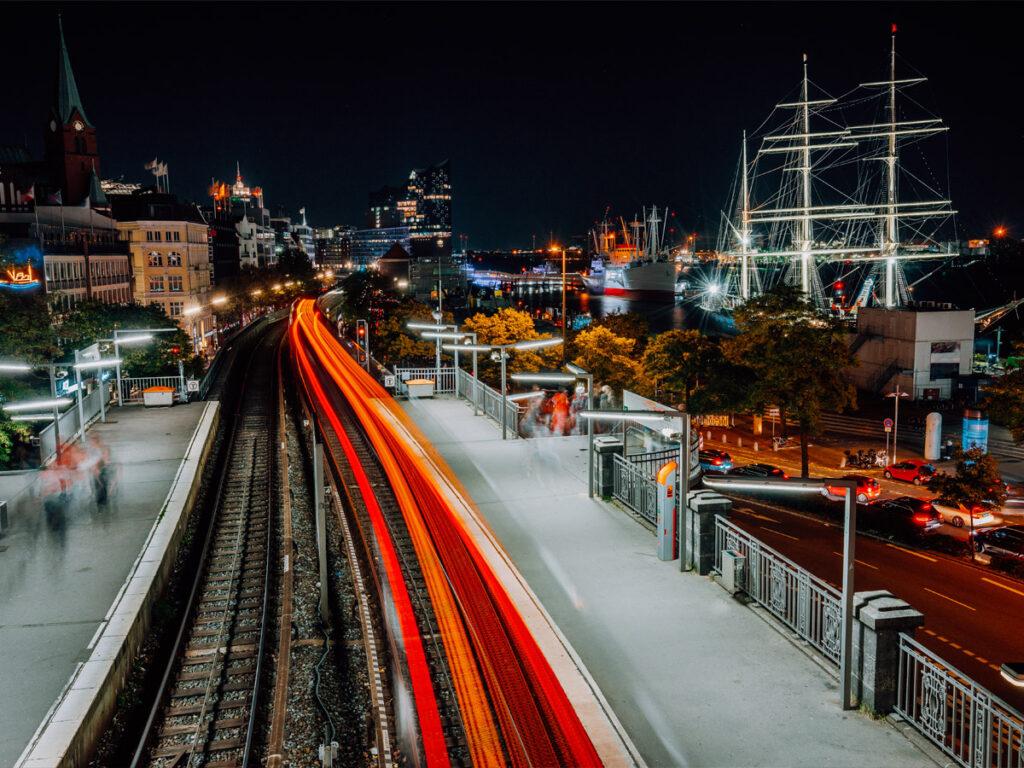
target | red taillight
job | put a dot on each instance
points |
(716, 462)
(920, 517)
(785, 476)
(926, 505)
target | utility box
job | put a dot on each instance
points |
(419, 387)
(734, 571)
(667, 539)
(158, 396)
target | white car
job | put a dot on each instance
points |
(958, 516)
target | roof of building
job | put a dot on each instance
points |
(67, 99)
(96, 194)
(13, 154)
(149, 205)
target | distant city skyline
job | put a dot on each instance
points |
(548, 113)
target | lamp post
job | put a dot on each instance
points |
(437, 327)
(51, 367)
(79, 367)
(849, 554)
(896, 395)
(555, 249)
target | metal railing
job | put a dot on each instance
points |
(443, 383)
(69, 424)
(131, 389)
(800, 600)
(963, 719)
(651, 463)
(633, 487)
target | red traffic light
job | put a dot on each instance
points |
(361, 331)
(175, 350)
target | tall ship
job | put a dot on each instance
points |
(827, 203)
(632, 263)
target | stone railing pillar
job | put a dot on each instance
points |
(702, 506)
(879, 618)
(606, 446)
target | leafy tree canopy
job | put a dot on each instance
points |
(683, 361)
(360, 291)
(976, 479)
(510, 326)
(26, 334)
(392, 339)
(93, 320)
(795, 358)
(608, 357)
(631, 325)
(1004, 399)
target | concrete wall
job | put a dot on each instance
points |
(73, 726)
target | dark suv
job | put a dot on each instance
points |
(1006, 541)
(903, 515)
(761, 470)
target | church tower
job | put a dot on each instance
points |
(70, 137)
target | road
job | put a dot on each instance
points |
(974, 617)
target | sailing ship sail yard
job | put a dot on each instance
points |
(837, 207)
(634, 265)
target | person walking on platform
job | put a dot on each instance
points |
(101, 473)
(559, 413)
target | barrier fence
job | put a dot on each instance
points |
(632, 485)
(963, 719)
(800, 600)
(131, 389)
(445, 382)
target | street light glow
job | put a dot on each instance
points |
(98, 363)
(442, 335)
(559, 378)
(29, 405)
(191, 310)
(135, 339)
(465, 348)
(536, 344)
(219, 300)
(525, 395)
(15, 367)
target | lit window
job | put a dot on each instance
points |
(174, 308)
(155, 259)
(156, 285)
(174, 258)
(174, 283)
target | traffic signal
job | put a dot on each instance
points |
(175, 350)
(362, 357)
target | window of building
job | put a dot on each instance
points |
(168, 237)
(149, 236)
(174, 283)
(174, 258)
(156, 236)
(155, 259)
(177, 237)
(174, 308)
(156, 285)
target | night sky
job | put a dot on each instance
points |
(549, 113)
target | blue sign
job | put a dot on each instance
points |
(887, 423)
(975, 434)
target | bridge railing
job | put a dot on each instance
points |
(961, 718)
(634, 487)
(806, 604)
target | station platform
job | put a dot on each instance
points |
(694, 677)
(59, 581)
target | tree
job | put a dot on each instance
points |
(681, 360)
(976, 480)
(360, 290)
(1004, 399)
(609, 357)
(628, 324)
(794, 357)
(392, 340)
(510, 326)
(93, 320)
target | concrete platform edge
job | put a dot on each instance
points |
(72, 727)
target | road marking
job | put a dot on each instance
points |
(930, 632)
(993, 667)
(940, 637)
(859, 562)
(780, 533)
(965, 605)
(1011, 589)
(969, 653)
(982, 659)
(912, 552)
(752, 513)
(954, 645)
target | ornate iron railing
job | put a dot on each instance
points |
(633, 487)
(803, 602)
(445, 382)
(963, 719)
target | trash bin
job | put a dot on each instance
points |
(734, 571)
(158, 396)
(420, 387)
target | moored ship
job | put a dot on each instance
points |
(632, 265)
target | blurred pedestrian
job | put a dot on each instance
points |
(559, 413)
(55, 491)
(99, 468)
(579, 403)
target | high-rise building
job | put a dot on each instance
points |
(58, 237)
(333, 246)
(170, 259)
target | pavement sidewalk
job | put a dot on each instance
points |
(57, 582)
(695, 677)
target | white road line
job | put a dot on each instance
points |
(912, 552)
(1011, 589)
(859, 562)
(947, 597)
(780, 533)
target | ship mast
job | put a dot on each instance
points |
(891, 229)
(805, 172)
(745, 232)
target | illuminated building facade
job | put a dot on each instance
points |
(369, 245)
(243, 206)
(57, 236)
(333, 246)
(170, 254)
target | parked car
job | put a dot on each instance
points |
(904, 515)
(1015, 493)
(914, 471)
(958, 515)
(867, 489)
(762, 470)
(713, 460)
(1005, 541)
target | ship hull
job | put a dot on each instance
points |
(650, 280)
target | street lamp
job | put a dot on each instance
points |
(849, 552)
(555, 248)
(896, 395)
(474, 348)
(436, 327)
(79, 367)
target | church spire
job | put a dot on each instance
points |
(67, 99)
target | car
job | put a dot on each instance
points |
(905, 515)
(914, 471)
(867, 488)
(957, 514)
(762, 470)
(1005, 541)
(713, 460)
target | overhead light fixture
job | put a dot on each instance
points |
(31, 404)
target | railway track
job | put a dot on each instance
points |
(206, 711)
